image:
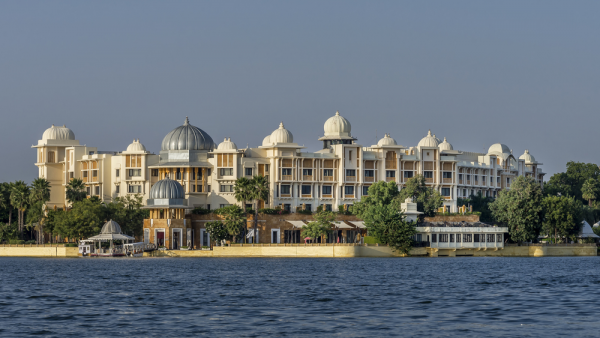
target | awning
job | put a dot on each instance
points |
(110, 237)
(341, 225)
(297, 224)
(359, 224)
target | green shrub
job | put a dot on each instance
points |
(268, 211)
(204, 247)
(16, 241)
(31, 242)
(371, 240)
(200, 211)
(71, 245)
(304, 212)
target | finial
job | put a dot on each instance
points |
(337, 113)
(281, 125)
(444, 138)
(187, 121)
(64, 125)
(429, 132)
(52, 125)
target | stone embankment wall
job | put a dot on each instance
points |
(31, 250)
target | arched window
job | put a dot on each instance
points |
(51, 158)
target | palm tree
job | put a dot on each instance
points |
(19, 198)
(243, 191)
(76, 191)
(40, 193)
(589, 190)
(259, 191)
(5, 191)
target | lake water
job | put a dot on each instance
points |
(360, 297)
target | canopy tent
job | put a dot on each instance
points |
(359, 224)
(586, 231)
(111, 231)
(341, 225)
(111, 237)
(297, 224)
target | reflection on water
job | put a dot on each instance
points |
(256, 296)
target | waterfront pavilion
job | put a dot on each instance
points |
(111, 231)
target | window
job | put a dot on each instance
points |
(468, 177)
(369, 173)
(85, 174)
(88, 191)
(491, 179)
(134, 189)
(464, 192)
(443, 238)
(499, 238)
(248, 171)
(137, 172)
(226, 188)
(460, 176)
(446, 192)
(350, 172)
(408, 174)
(451, 238)
(326, 190)
(491, 238)
(428, 174)
(208, 189)
(308, 207)
(433, 238)
(306, 189)
(223, 205)
(508, 180)
(498, 180)
(476, 238)
(350, 156)
(117, 189)
(472, 192)
(447, 174)
(349, 190)
(365, 191)
(209, 171)
(117, 173)
(226, 171)
(153, 172)
(328, 172)
(97, 190)
(467, 238)
(286, 172)
(307, 172)
(390, 173)
(51, 158)
(494, 194)
(178, 174)
(285, 189)
(476, 178)
(287, 207)
(458, 238)
(328, 207)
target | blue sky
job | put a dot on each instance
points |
(524, 73)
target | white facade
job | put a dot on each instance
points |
(339, 174)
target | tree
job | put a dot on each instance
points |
(520, 208)
(571, 182)
(75, 191)
(479, 204)
(40, 194)
(428, 200)
(380, 193)
(589, 190)
(19, 198)
(321, 225)
(243, 191)
(259, 191)
(234, 220)
(562, 216)
(128, 212)
(84, 219)
(217, 231)
(5, 191)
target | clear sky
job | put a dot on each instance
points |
(523, 73)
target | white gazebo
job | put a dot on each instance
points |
(111, 231)
(586, 231)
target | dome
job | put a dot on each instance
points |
(187, 137)
(429, 141)
(167, 189)
(499, 148)
(227, 145)
(437, 138)
(58, 133)
(136, 146)
(281, 135)
(267, 141)
(337, 126)
(445, 145)
(387, 141)
(527, 157)
(111, 228)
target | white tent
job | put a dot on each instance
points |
(586, 231)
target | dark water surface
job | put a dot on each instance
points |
(362, 297)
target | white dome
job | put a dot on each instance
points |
(58, 133)
(437, 138)
(227, 145)
(281, 135)
(136, 146)
(445, 145)
(499, 148)
(527, 157)
(267, 141)
(337, 126)
(387, 141)
(429, 141)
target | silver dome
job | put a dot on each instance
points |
(111, 227)
(187, 137)
(167, 189)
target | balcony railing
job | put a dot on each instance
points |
(327, 178)
(369, 179)
(428, 179)
(351, 178)
(306, 196)
(460, 181)
(349, 196)
(307, 177)
(390, 179)
(468, 182)
(327, 196)
(286, 177)
(286, 195)
(446, 180)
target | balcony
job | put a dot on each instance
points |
(468, 182)
(390, 179)
(460, 181)
(348, 196)
(350, 178)
(369, 179)
(286, 195)
(328, 178)
(307, 177)
(286, 177)
(428, 179)
(306, 196)
(446, 180)
(327, 196)
(447, 197)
